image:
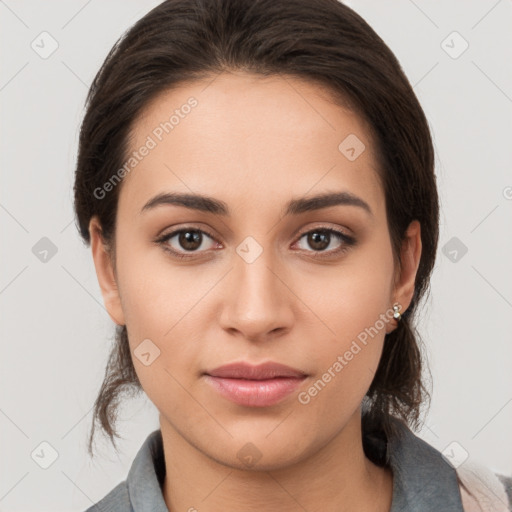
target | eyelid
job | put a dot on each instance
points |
(324, 227)
(166, 236)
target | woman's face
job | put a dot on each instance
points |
(259, 280)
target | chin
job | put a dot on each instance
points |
(259, 453)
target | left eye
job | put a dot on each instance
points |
(321, 239)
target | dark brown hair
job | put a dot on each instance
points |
(321, 41)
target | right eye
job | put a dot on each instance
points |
(186, 240)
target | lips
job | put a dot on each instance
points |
(263, 371)
(255, 386)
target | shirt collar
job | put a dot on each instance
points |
(146, 476)
(422, 480)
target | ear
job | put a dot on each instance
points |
(410, 260)
(105, 272)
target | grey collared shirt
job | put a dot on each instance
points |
(423, 480)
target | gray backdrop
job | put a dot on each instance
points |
(54, 329)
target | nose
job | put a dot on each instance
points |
(257, 303)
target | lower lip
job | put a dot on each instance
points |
(255, 393)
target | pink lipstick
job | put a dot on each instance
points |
(255, 386)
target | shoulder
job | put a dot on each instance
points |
(117, 500)
(426, 479)
(483, 490)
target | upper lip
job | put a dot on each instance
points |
(243, 370)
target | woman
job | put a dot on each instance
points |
(256, 181)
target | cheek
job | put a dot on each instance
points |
(353, 303)
(154, 294)
(351, 296)
(165, 314)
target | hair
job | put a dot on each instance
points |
(321, 41)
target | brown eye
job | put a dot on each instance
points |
(187, 240)
(318, 240)
(190, 240)
(322, 241)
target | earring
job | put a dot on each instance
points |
(396, 312)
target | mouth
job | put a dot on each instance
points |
(255, 386)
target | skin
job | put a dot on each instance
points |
(255, 143)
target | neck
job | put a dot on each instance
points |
(337, 477)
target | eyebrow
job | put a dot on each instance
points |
(293, 207)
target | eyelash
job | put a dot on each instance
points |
(348, 241)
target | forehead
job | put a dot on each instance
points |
(239, 136)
